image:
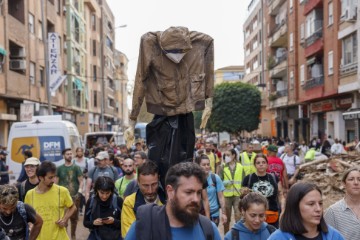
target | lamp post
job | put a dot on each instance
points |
(101, 53)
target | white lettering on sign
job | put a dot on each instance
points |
(52, 145)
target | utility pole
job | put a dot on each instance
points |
(46, 57)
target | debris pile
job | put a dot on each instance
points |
(327, 173)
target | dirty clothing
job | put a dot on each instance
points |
(174, 88)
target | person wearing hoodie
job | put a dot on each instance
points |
(302, 218)
(252, 226)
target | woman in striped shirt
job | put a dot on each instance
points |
(344, 215)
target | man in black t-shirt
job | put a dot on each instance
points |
(31, 165)
(15, 215)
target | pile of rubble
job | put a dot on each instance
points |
(327, 173)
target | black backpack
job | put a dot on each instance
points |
(152, 223)
(235, 233)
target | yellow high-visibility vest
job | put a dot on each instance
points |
(248, 163)
(233, 189)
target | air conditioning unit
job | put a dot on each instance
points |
(17, 53)
(18, 64)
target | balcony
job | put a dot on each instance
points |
(312, 4)
(313, 82)
(93, 5)
(274, 6)
(279, 68)
(277, 27)
(348, 69)
(314, 43)
(278, 35)
(278, 99)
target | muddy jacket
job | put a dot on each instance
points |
(174, 88)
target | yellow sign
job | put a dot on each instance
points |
(20, 145)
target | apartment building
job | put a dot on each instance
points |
(85, 33)
(311, 62)
(253, 62)
(229, 74)
(121, 80)
(349, 85)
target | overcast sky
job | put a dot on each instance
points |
(222, 20)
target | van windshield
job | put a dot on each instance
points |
(41, 147)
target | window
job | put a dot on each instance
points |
(313, 22)
(109, 43)
(31, 23)
(302, 74)
(111, 103)
(291, 5)
(58, 7)
(292, 80)
(331, 12)
(40, 31)
(291, 42)
(94, 73)
(302, 31)
(94, 47)
(111, 84)
(349, 47)
(32, 73)
(330, 63)
(42, 76)
(93, 22)
(95, 98)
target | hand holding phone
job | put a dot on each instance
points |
(105, 219)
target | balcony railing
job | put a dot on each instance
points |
(348, 69)
(282, 93)
(277, 27)
(313, 82)
(273, 61)
(315, 36)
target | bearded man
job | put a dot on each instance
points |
(179, 218)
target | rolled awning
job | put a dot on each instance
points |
(2, 51)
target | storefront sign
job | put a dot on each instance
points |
(351, 115)
(26, 112)
(323, 106)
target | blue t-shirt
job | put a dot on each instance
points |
(212, 194)
(180, 233)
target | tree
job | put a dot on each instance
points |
(236, 107)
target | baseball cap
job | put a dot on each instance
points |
(272, 148)
(102, 155)
(32, 161)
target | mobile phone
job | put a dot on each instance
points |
(106, 218)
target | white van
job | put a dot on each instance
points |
(45, 136)
(93, 138)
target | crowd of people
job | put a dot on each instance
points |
(118, 192)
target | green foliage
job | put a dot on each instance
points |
(236, 107)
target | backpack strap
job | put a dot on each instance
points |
(22, 190)
(213, 179)
(22, 211)
(249, 182)
(270, 228)
(234, 234)
(207, 227)
(294, 161)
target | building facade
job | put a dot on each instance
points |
(85, 30)
(255, 52)
(311, 61)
